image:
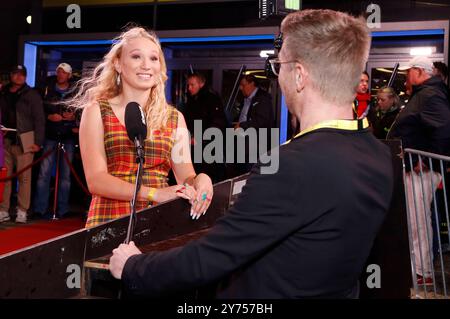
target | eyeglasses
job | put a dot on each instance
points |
(275, 64)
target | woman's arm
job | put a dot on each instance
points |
(181, 154)
(184, 171)
(93, 154)
(99, 181)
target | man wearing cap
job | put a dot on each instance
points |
(61, 128)
(21, 109)
(424, 124)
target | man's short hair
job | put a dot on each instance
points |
(250, 78)
(333, 46)
(200, 77)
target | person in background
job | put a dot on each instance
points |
(256, 112)
(423, 124)
(204, 106)
(362, 100)
(386, 112)
(21, 109)
(60, 132)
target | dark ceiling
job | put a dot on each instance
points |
(221, 14)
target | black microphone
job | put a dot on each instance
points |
(136, 127)
(137, 131)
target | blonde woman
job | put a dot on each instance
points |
(384, 115)
(134, 70)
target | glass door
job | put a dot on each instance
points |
(380, 73)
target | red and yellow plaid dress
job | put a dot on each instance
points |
(121, 160)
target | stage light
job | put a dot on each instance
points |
(266, 53)
(426, 51)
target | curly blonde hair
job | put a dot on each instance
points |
(101, 84)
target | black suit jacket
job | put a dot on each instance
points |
(303, 232)
(261, 113)
(207, 107)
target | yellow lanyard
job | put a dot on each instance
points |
(348, 125)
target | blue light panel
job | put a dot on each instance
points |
(29, 60)
(220, 39)
(164, 40)
(87, 42)
(407, 33)
(283, 120)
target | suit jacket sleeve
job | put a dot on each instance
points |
(261, 217)
(260, 114)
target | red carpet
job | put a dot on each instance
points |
(27, 235)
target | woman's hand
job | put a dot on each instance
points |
(168, 193)
(204, 188)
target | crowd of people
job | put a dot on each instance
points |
(422, 123)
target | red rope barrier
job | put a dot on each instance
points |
(7, 178)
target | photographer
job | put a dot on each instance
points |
(61, 128)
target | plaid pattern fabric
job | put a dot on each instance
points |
(121, 160)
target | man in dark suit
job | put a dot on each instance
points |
(204, 107)
(203, 104)
(256, 112)
(257, 109)
(306, 230)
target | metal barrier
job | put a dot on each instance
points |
(424, 177)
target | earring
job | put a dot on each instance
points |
(118, 79)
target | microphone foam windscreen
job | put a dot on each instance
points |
(135, 121)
